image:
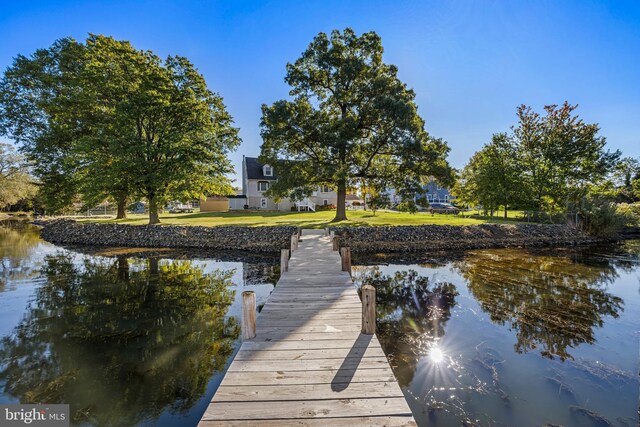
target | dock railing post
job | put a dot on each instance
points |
(294, 242)
(248, 315)
(345, 254)
(284, 260)
(368, 309)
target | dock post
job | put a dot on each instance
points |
(284, 260)
(368, 309)
(345, 254)
(294, 242)
(248, 315)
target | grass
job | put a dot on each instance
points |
(319, 219)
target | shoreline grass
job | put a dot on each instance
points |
(319, 219)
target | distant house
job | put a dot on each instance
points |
(437, 194)
(433, 192)
(256, 180)
(353, 201)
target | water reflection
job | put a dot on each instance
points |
(553, 303)
(120, 339)
(411, 315)
(451, 340)
(18, 239)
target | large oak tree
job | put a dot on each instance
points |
(350, 119)
(102, 119)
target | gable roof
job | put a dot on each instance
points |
(254, 170)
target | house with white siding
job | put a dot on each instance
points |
(256, 180)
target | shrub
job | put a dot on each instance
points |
(630, 212)
(408, 206)
(325, 207)
(380, 201)
(599, 216)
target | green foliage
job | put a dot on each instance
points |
(350, 119)
(16, 184)
(599, 216)
(630, 212)
(130, 338)
(379, 201)
(492, 176)
(622, 183)
(103, 119)
(546, 163)
(408, 206)
(559, 308)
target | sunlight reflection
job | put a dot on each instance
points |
(436, 355)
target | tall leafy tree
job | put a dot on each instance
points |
(547, 162)
(561, 155)
(350, 119)
(36, 112)
(159, 130)
(105, 120)
(491, 178)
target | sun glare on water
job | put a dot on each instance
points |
(436, 355)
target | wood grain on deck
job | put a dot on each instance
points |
(309, 364)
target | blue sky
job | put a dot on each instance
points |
(471, 63)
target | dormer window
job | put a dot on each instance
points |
(267, 170)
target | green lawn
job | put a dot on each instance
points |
(302, 219)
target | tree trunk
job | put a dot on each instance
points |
(153, 209)
(123, 268)
(505, 211)
(154, 266)
(122, 207)
(341, 211)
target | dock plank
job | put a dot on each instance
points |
(309, 365)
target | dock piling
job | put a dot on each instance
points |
(284, 261)
(368, 309)
(345, 254)
(248, 315)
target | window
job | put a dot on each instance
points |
(325, 202)
(267, 170)
(430, 197)
(325, 189)
(263, 186)
(263, 203)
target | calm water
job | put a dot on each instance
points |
(513, 337)
(492, 337)
(125, 338)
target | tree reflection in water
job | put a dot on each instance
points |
(551, 301)
(411, 315)
(122, 340)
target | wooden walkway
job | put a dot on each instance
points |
(309, 364)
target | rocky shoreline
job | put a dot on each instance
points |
(424, 238)
(254, 239)
(438, 238)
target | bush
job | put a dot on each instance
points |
(380, 201)
(599, 217)
(408, 206)
(325, 207)
(630, 212)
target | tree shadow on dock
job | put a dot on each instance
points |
(349, 366)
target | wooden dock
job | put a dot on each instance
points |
(309, 364)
